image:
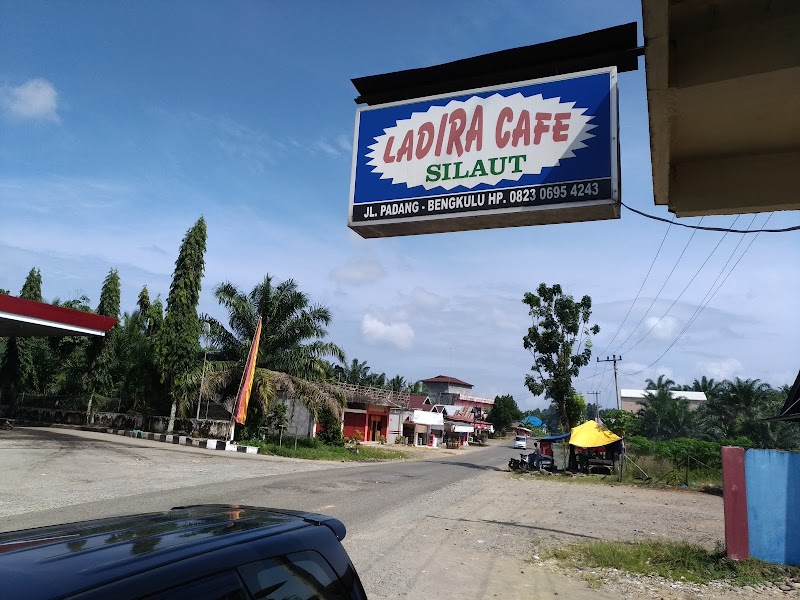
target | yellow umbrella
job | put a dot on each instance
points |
(591, 435)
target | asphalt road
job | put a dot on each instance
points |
(439, 527)
(356, 494)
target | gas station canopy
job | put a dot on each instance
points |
(723, 91)
(26, 318)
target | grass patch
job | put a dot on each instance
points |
(315, 450)
(673, 560)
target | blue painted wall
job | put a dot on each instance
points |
(773, 505)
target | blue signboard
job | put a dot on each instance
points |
(493, 157)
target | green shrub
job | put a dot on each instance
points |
(677, 450)
(330, 429)
(640, 446)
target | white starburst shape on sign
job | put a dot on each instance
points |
(546, 154)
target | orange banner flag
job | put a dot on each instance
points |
(243, 398)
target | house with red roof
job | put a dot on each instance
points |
(446, 390)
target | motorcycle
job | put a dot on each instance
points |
(524, 463)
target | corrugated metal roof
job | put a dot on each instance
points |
(640, 394)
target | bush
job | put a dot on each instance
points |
(356, 438)
(678, 449)
(741, 442)
(640, 446)
(330, 429)
(399, 439)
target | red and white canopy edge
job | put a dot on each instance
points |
(26, 318)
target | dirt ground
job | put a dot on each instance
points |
(491, 531)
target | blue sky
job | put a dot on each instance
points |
(121, 123)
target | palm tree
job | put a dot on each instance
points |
(743, 399)
(377, 380)
(357, 373)
(397, 383)
(710, 387)
(662, 383)
(665, 416)
(292, 352)
(417, 388)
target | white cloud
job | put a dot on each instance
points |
(322, 145)
(665, 328)
(376, 331)
(344, 142)
(425, 299)
(34, 100)
(357, 272)
(725, 368)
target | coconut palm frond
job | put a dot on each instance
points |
(264, 388)
(315, 395)
(224, 340)
(242, 316)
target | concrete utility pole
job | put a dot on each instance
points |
(614, 359)
(596, 404)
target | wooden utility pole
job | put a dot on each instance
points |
(596, 405)
(614, 359)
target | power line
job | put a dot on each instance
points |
(675, 266)
(686, 287)
(641, 287)
(614, 360)
(590, 376)
(723, 229)
(702, 307)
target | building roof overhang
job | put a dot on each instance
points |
(615, 46)
(26, 318)
(723, 87)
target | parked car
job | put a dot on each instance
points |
(212, 552)
(520, 441)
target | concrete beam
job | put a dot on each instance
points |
(738, 184)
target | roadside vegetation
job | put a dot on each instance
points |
(672, 560)
(312, 449)
(165, 358)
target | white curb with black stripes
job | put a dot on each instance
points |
(184, 440)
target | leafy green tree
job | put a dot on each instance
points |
(549, 416)
(560, 341)
(32, 288)
(330, 428)
(577, 408)
(504, 411)
(100, 357)
(292, 353)
(69, 355)
(620, 422)
(26, 363)
(180, 340)
(139, 379)
(277, 420)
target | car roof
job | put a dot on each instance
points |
(104, 550)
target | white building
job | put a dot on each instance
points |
(633, 400)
